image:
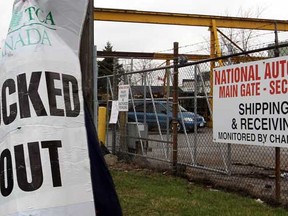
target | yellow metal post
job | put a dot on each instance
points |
(216, 42)
(215, 51)
(102, 125)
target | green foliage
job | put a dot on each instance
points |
(105, 68)
(147, 193)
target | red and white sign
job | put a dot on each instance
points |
(44, 161)
(250, 103)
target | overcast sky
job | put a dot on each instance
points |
(155, 38)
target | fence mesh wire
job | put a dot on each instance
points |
(147, 129)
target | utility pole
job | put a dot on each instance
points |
(86, 57)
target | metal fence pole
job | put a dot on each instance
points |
(277, 149)
(229, 158)
(195, 112)
(95, 77)
(114, 98)
(175, 108)
(167, 76)
(122, 124)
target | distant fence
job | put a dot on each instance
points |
(153, 131)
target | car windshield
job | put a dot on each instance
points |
(170, 107)
(160, 107)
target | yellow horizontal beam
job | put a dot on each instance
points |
(135, 16)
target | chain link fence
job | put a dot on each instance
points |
(151, 133)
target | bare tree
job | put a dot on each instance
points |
(240, 39)
(143, 64)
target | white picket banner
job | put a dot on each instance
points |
(44, 161)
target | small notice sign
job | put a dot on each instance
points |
(123, 97)
(114, 113)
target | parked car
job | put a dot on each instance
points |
(162, 111)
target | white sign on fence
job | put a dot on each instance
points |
(250, 103)
(114, 113)
(123, 97)
(44, 161)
